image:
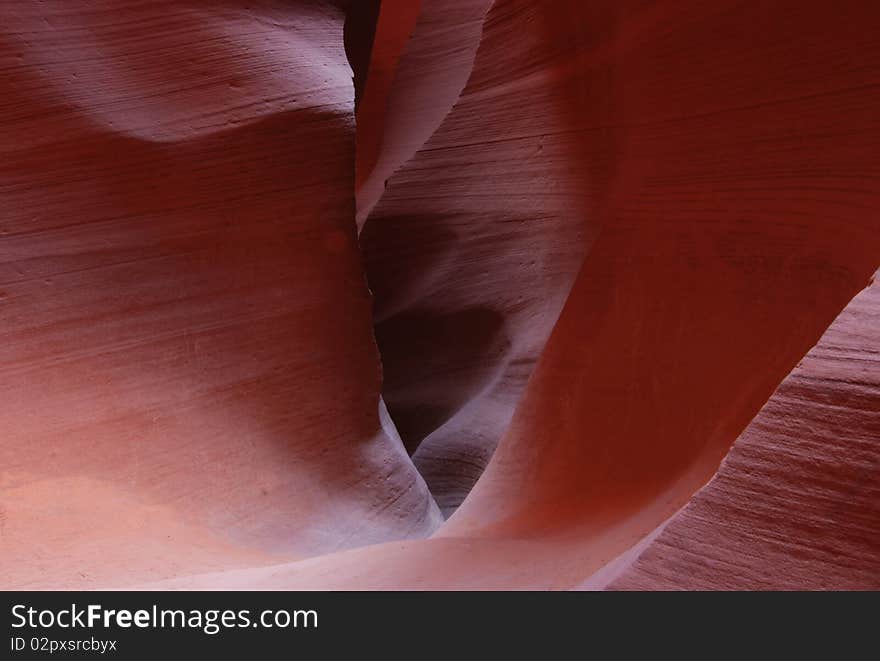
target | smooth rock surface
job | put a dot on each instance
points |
(610, 231)
(478, 237)
(188, 374)
(796, 504)
(737, 217)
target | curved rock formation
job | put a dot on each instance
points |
(598, 235)
(423, 59)
(187, 373)
(476, 241)
(796, 504)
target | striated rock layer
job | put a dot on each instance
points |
(733, 235)
(188, 375)
(735, 216)
(683, 164)
(473, 247)
(599, 235)
(423, 58)
(796, 504)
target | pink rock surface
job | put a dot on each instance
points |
(716, 269)
(478, 237)
(610, 231)
(394, 24)
(188, 374)
(424, 55)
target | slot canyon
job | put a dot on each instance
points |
(439, 295)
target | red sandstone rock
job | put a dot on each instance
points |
(422, 61)
(188, 375)
(718, 265)
(395, 23)
(796, 504)
(477, 239)
(190, 386)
